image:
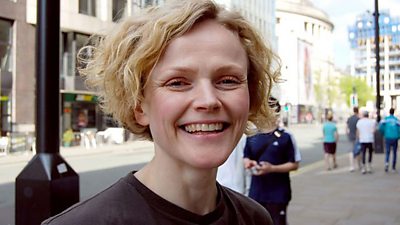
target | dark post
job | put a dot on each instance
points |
(378, 136)
(377, 67)
(47, 185)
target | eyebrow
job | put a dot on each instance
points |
(180, 69)
(230, 67)
(224, 68)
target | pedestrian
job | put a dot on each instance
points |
(365, 131)
(271, 155)
(389, 127)
(331, 137)
(187, 75)
(232, 173)
(351, 131)
(82, 120)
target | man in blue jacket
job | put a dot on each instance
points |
(389, 127)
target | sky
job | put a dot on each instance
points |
(343, 13)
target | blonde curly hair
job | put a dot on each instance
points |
(118, 65)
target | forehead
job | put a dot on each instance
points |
(208, 38)
(208, 31)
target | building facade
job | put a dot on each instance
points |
(362, 40)
(260, 13)
(79, 19)
(305, 47)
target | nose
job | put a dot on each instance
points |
(206, 97)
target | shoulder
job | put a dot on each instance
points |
(242, 142)
(285, 136)
(256, 138)
(84, 211)
(108, 205)
(329, 124)
(246, 208)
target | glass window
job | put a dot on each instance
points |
(5, 45)
(5, 76)
(65, 56)
(87, 7)
(147, 3)
(81, 40)
(118, 9)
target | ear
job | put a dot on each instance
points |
(141, 116)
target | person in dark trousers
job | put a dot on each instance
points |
(351, 129)
(189, 76)
(390, 129)
(271, 155)
(365, 132)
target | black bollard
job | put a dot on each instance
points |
(47, 185)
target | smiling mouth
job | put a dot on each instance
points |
(202, 128)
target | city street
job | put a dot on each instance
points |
(98, 168)
(72, 76)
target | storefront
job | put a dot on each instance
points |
(6, 73)
(82, 116)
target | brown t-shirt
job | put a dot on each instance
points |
(130, 202)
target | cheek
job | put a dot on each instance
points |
(241, 103)
(164, 110)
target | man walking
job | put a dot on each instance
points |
(389, 127)
(351, 134)
(271, 155)
(365, 132)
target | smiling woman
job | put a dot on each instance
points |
(188, 75)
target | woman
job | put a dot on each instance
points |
(188, 76)
(331, 137)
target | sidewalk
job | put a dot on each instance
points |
(320, 197)
(74, 151)
(338, 197)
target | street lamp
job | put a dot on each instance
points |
(377, 66)
(377, 136)
(47, 185)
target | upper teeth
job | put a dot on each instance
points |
(203, 127)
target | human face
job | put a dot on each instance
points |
(196, 101)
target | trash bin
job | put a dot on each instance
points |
(379, 145)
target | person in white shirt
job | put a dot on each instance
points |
(365, 133)
(232, 173)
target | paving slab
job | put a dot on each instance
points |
(339, 197)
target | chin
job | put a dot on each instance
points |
(209, 162)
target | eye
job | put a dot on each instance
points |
(229, 82)
(177, 84)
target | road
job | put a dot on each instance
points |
(309, 139)
(100, 168)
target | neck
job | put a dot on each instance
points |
(193, 190)
(270, 129)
